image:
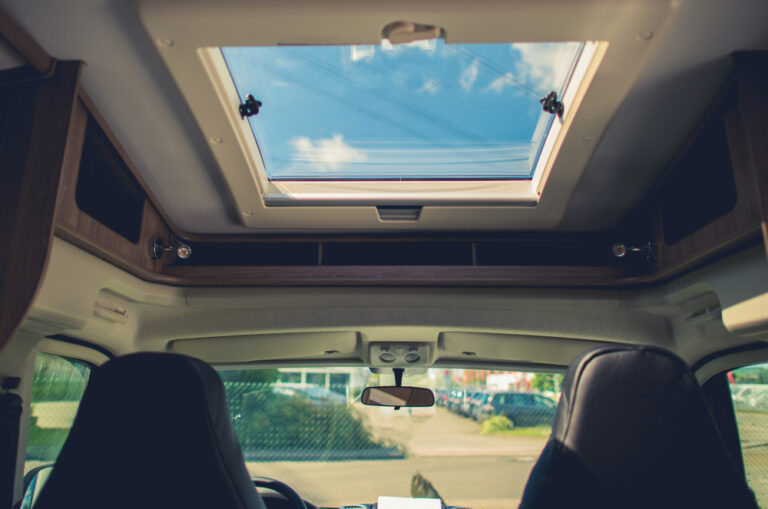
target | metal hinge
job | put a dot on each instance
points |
(646, 250)
(250, 107)
(550, 104)
(158, 249)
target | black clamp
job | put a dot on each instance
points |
(550, 104)
(250, 107)
(623, 249)
(158, 249)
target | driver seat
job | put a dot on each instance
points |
(153, 431)
(633, 430)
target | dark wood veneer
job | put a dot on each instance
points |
(35, 126)
(20, 40)
(739, 227)
(736, 226)
(752, 72)
(77, 227)
(395, 276)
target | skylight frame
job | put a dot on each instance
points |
(182, 32)
(519, 192)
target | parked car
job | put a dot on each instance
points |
(441, 397)
(454, 400)
(465, 406)
(479, 402)
(470, 402)
(522, 409)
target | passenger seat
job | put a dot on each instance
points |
(632, 430)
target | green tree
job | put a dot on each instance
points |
(547, 382)
(254, 376)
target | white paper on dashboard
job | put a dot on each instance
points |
(409, 503)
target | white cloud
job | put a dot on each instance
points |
(544, 66)
(501, 82)
(327, 154)
(431, 86)
(358, 53)
(427, 46)
(469, 76)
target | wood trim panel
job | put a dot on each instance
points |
(35, 125)
(752, 72)
(395, 276)
(84, 231)
(736, 227)
(94, 111)
(20, 40)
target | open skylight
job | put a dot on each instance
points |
(423, 111)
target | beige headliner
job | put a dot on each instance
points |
(181, 29)
(86, 298)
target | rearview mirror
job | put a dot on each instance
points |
(397, 396)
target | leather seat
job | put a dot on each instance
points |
(152, 431)
(633, 430)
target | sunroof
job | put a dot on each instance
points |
(420, 111)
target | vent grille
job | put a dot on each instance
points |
(398, 213)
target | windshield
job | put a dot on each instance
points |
(474, 448)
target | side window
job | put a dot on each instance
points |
(749, 390)
(57, 387)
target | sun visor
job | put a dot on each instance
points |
(269, 347)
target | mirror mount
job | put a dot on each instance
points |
(398, 376)
(398, 379)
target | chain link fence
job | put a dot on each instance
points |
(306, 423)
(57, 387)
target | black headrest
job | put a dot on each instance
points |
(633, 430)
(152, 431)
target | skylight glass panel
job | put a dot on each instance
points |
(420, 111)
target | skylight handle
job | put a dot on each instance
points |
(404, 32)
(250, 107)
(550, 104)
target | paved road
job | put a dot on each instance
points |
(753, 432)
(465, 467)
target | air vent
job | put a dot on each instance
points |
(397, 213)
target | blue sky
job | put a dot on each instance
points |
(418, 111)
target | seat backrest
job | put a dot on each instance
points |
(152, 431)
(633, 430)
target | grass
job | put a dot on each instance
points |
(533, 431)
(500, 425)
